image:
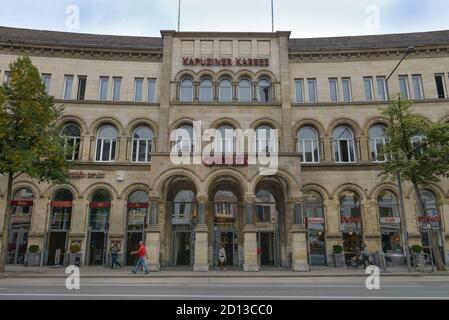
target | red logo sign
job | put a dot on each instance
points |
(346, 219)
(429, 219)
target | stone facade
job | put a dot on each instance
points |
(284, 240)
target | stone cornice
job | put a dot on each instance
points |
(86, 53)
(366, 55)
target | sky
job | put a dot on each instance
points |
(305, 18)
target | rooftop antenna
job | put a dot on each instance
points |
(272, 16)
(179, 15)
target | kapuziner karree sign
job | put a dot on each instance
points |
(225, 62)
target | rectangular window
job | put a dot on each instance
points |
(417, 87)
(403, 86)
(82, 83)
(299, 83)
(312, 90)
(346, 84)
(117, 88)
(138, 89)
(382, 90)
(68, 84)
(152, 90)
(333, 87)
(441, 86)
(104, 81)
(368, 84)
(46, 78)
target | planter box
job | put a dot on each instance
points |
(339, 259)
(34, 259)
(75, 259)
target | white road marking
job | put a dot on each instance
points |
(217, 296)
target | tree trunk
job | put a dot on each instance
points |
(6, 222)
(436, 251)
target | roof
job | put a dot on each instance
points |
(399, 40)
(69, 39)
(84, 40)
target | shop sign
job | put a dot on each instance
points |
(22, 203)
(84, 175)
(100, 205)
(390, 220)
(225, 62)
(315, 220)
(61, 204)
(345, 219)
(429, 219)
(137, 205)
(224, 220)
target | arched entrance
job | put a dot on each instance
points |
(99, 214)
(181, 209)
(61, 216)
(351, 223)
(137, 221)
(225, 206)
(22, 211)
(314, 211)
(270, 207)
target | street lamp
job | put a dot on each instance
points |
(403, 225)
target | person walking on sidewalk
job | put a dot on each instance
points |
(259, 258)
(141, 255)
(222, 257)
(114, 254)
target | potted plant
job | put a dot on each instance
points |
(33, 256)
(339, 257)
(418, 255)
(75, 254)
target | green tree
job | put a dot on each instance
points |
(421, 161)
(30, 140)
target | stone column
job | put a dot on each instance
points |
(371, 226)
(250, 238)
(300, 260)
(153, 237)
(40, 222)
(201, 239)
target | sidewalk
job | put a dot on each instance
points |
(102, 272)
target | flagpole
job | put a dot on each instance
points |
(179, 15)
(272, 17)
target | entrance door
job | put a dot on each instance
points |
(97, 248)
(269, 252)
(181, 248)
(57, 248)
(132, 244)
(17, 246)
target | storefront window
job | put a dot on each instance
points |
(137, 221)
(351, 223)
(390, 222)
(61, 210)
(313, 207)
(225, 205)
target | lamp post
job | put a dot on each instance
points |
(403, 224)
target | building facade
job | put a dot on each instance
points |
(132, 104)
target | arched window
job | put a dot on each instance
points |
(206, 90)
(185, 139)
(388, 204)
(224, 139)
(225, 90)
(245, 90)
(100, 209)
(186, 90)
(106, 143)
(72, 139)
(344, 145)
(225, 203)
(266, 206)
(142, 144)
(61, 212)
(183, 207)
(351, 222)
(23, 203)
(313, 206)
(266, 139)
(314, 212)
(389, 221)
(137, 211)
(377, 137)
(431, 213)
(264, 92)
(308, 145)
(418, 144)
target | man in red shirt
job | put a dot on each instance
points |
(141, 255)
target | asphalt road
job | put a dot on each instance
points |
(227, 289)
